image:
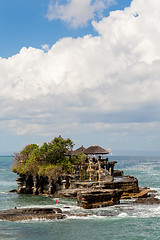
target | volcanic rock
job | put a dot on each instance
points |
(98, 198)
(31, 213)
(149, 200)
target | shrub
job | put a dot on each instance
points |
(49, 159)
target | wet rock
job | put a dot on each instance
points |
(68, 193)
(149, 200)
(143, 193)
(98, 198)
(13, 191)
(31, 213)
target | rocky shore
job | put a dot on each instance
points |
(105, 193)
(31, 213)
(92, 194)
(86, 200)
(98, 198)
(149, 200)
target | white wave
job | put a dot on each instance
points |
(38, 206)
(157, 196)
(123, 215)
(146, 211)
(156, 189)
(89, 217)
(39, 220)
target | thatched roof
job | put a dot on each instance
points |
(69, 153)
(90, 150)
(76, 152)
(79, 150)
(95, 150)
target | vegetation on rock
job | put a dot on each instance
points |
(48, 160)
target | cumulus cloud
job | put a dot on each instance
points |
(45, 47)
(108, 84)
(77, 13)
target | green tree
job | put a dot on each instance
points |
(33, 160)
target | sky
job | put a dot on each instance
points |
(88, 70)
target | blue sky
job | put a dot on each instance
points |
(88, 70)
(24, 23)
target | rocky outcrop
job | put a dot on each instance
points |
(143, 193)
(68, 193)
(149, 200)
(98, 198)
(31, 213)
(89, 184)
(104, 193)
(128, 184)
(38, 185)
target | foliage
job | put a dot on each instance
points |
(53, 171)
(47, 160)
(81, 158)
(27, 151)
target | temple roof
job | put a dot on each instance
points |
(95, 150)
(90, 150)
(79, 150)
(69, 153)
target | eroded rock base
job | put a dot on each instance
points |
(98, 198)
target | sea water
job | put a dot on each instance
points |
(125, 221)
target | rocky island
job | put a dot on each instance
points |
(56, 170)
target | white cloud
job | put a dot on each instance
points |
(45, 47)
(77, 13)
(103, 82)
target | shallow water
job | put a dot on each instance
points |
(124, 221)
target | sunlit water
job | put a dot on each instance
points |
(124, 221)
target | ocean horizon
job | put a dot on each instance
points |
(115, 152)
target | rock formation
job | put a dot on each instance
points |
(31, 213)
(89, 176)
(98, 198)
(148, 200)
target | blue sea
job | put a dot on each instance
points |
(126, 221)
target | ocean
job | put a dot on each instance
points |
(126, 221)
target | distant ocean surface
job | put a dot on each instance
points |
(122, 222)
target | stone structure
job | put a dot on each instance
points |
(94, 182)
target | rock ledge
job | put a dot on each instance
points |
(31, 213)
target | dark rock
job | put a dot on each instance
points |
(68, 193)
(149, 200)
(31, 213)
(117, 173)
(13, 191)
(127, 184)
(104, 190)
(98, 198)
(143, 193)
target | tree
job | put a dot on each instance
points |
(33, 160)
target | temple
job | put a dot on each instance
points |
(96, 161)
(93, 181)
